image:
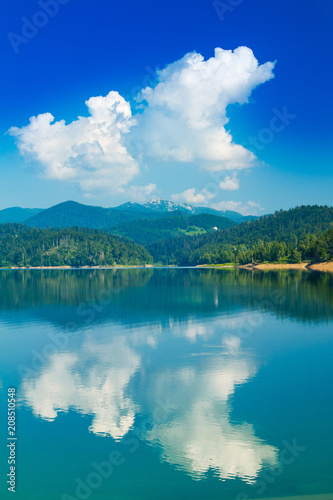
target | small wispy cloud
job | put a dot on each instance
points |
(192, 197)
(248, 208)
(230, 183)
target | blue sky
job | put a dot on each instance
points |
(192, 136)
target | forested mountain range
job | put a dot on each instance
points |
(302, 233)
(73, 214)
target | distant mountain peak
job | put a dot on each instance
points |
(167, 206)
(159, 205)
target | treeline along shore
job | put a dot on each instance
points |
(298, 238)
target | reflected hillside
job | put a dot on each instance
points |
(26, 288)
(83, 296)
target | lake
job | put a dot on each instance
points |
(158, 384)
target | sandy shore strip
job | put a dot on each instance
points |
(302, 265)
(217, 266)
(326, 267)
(262, 267)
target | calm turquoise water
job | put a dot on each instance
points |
(168, 384)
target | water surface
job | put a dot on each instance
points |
(153, 384)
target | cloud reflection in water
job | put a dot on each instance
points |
(198, 435)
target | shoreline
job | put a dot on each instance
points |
(326, 267)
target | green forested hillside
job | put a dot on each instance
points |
(147, 231)
(73, 214)
(286, 229)
(24, 246)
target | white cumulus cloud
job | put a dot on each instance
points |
(182, 118)
(89, 150)
(185, 114)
